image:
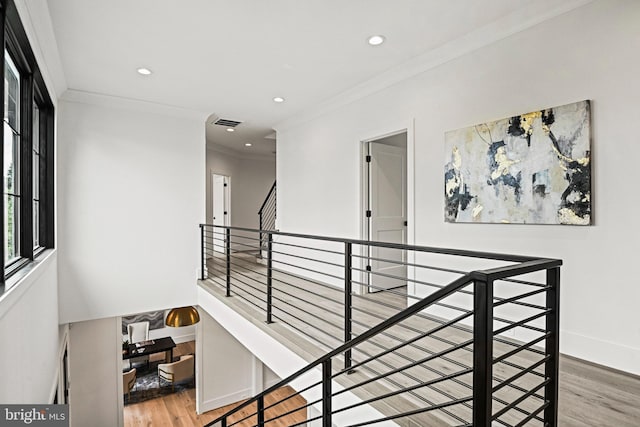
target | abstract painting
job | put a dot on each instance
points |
(533, 168)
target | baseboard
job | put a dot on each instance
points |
(211, 404)
(605, 353)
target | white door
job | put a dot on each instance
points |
(387, 214)
(220, 210)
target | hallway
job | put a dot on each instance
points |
(590, 395)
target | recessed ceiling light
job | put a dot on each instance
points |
(278, 99)
(144, 71)
(376, 40)
(230, 130)
(248, 144)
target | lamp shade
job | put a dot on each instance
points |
(182, 316)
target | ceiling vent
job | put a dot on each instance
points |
(227, 123)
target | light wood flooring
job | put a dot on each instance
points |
(592, 395)
(589, 395)
(179, 410)
(315, 310)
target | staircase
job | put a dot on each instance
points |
(267, 217)
(466, 339)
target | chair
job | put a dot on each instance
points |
(138, 332)
(177, 371)
(128, 381)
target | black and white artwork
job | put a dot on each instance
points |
(534, 168)
(155, 319)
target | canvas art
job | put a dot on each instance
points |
(155, 319)
(533, 168)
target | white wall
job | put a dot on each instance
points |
(29, 365)
(589, 53)
(251, 180)
(130, 185)
(227, 371)
(29, 332)
(95, 362)
(222, 324)
(179, 335)
(269, 378)
(225, 366)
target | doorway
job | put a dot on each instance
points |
(64, 398)
(385, 201)
(61, 394)
(221, 212)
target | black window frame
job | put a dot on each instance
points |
(33, 91)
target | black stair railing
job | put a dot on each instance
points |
(267, 214)
(450, 346)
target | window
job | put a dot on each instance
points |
(35, 180)
(27, 154)
(11, 160)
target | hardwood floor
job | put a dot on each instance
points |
(590, 395)
(179, 410)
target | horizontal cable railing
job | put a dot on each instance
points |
(412, 334)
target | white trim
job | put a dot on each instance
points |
(277, 357)
(36, 20)
(199, 380)
(606, 353)
(32, 273)
(58, 386)
(515, 22)
(118, 368)
(226, 196)
(274, 354)
(228, 399)
(91, 98)
(257, 375)
(359, 275)
(407, 126)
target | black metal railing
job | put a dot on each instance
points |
(412, 335)
(267, 215)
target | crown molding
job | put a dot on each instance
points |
(99, 99)
(237, 155)
(36, 21)
(502, 28)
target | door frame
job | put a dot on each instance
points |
(227, 204)
(371, 136)
(62, 384)
(227, 196)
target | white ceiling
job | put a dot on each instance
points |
(230, 58)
